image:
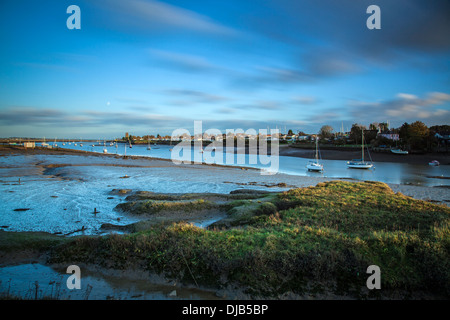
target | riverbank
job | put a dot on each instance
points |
(306, 243)
(279, 236)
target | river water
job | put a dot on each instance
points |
(35, 281)
(388, 172)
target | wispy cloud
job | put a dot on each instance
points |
(306, 100)
(156, 16)
(47, 117)
(181, 61)
(187, 97)
(434, 108)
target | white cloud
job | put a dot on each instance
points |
(405, 107)
(158, 16)
(406, 96)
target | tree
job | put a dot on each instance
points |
(404, 132)
(384, 126)
(374, 126)
(419, 129)
(356, 134)
(439, 129)
(414, 134)
(419, 134)
(290, 132)
(325, 132)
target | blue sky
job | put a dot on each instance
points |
(148, 67)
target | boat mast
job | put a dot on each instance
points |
(317, 145)
(362, 144)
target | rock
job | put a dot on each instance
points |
(120, 191)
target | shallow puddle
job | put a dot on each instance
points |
(37, 281)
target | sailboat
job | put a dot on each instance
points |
(149, 147)
(360, 163)
(315, 165)
(44, 144)
(399, 151)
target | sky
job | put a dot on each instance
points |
(150, 67)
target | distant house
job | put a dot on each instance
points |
(29, 144)
(291, 137)
(389, 135)
(443, 135)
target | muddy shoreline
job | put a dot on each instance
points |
(242, 176)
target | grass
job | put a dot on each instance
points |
(151, 207)
(32, 241)
(303, 241)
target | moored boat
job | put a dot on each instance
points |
(360, 163)
(399, 151)
(314, 165)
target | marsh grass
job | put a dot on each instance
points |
(303, 241)
(152, 207)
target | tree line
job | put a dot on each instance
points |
(414, 136)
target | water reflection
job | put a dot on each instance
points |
(36, 281)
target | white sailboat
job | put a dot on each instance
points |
(44, 144)
(360, 163)
(399, 151)
(315, 165)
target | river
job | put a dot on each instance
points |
(388, 172)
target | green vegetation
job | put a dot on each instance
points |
(304, 241)
(33, 241)
(151, 207)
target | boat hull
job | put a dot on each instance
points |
(360, 165)
(314, 167)
(398, 151)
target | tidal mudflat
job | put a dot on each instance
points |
(229, 232)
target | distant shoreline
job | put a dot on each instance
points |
(284, 150)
